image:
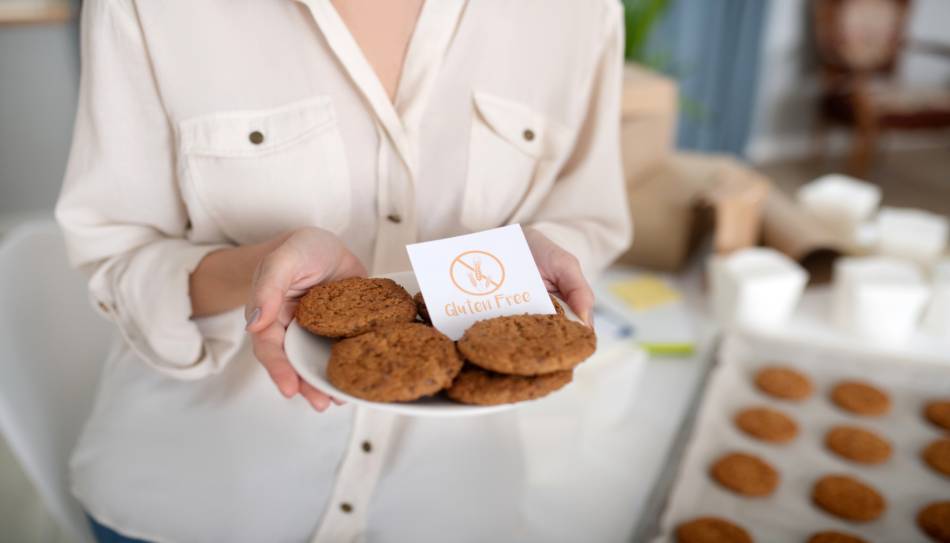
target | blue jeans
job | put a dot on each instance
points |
(104, 534)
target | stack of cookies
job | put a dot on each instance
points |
(389, 352)
(841, 495)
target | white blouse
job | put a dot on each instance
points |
(216, 123)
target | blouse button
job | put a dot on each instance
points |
(367, 446)
(346, 508)
(394, 218)
(528, 134)
(103, 307)
(256, 137)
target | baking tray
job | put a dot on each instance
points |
(788, 515)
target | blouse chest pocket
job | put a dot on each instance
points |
(260, 173)
(511, 146)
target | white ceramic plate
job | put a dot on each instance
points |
(309, 355)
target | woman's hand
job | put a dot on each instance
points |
(307, 257)
(562, 274)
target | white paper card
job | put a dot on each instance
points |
(478, 276)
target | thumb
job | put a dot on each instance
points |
(580, 298)
(271, 283)
(573, 286)
(348, 265)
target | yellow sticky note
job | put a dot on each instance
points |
(644, 292)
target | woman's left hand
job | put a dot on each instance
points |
(562, 274)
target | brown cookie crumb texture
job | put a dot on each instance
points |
(937, 456)
(745, 474)
(527, 344)
(938, 413)
(848, 498)
(558, 310)
(858, 445)
(352, 306)
(835, 537)
(421, 308)
(934, 520)
(476, 386)
(396, 363)
(711, 530)
(861, 398)
(767, 424)
(784, 383)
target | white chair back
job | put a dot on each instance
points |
(52, 346)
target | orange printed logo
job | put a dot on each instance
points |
(477, 273)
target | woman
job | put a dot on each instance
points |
(309, 140)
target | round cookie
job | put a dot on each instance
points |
(421, 308)
(527, 344)
(745, 474)
(937, 455)
(861, 398)
(934, 520)
(938, 413)
(395, 363)
(783, 382)
(848, 498)
(858, 445)
(711, 530)
(831, 536)
(476, 386)
(352, 306)
(767, 424)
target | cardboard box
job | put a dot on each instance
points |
(677, 197)
(687, 196)
(648, 125)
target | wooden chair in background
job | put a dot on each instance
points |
(859, 45)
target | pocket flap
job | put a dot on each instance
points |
(255, 132)
(526, 129)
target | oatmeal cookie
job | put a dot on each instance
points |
(395, 363)
(352, 306)
(527, 344)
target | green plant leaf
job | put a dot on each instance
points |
(640, 18)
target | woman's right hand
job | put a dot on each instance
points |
(306, 257)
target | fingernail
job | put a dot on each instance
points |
(589, 319)
(286, 390)
(252, 318)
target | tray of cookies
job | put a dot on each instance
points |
(369, 341)
(803, 443)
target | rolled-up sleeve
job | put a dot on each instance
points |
(586, 211)
(120, 208)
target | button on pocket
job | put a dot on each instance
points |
(510, 147)
(261, 173)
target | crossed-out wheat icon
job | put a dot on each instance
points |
(477, 273)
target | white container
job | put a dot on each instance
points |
(755, 288)
(841, 203)
(878, 298)
(937, 316)
(911, 233)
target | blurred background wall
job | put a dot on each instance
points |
(39, 75)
